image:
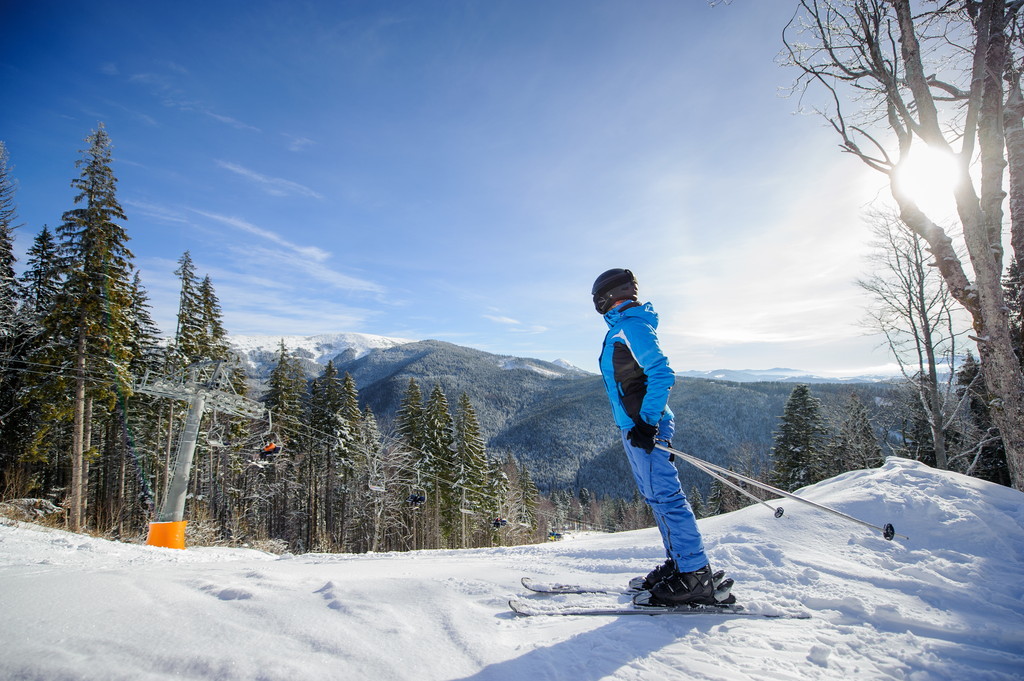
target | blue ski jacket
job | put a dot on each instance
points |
(636, 372)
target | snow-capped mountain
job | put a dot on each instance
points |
(258, 351)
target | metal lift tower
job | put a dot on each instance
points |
(203, 385)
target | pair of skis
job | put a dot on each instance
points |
(537, 608)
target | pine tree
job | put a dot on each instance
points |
(214, 335)
(986, 456)
(696, 502)
(331, 441)
(30, 424)
(410, 416)
(855, 445)
(286, 389)
(437, 464)
(529, 495)
(41, 280)
(472, 468)
(798, 454)
(90, 325)
(8, 284)
(12, 325)
(138, 419)
(350, 402)
(713, 506)
(189, 334)
(496, 503)
(145, 335)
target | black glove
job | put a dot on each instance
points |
(642, 435)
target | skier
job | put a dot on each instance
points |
(269, 450)
(638, 380)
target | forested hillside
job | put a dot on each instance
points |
(558, 421)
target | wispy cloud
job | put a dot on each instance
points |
(298, 143)
(172, 96)
(291, 257)
(233, 122)
(274, 186)
(313, 253)
(502, 320)
(515, 326)
(156, 212)
(296, 262)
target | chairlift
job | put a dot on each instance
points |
(376, 488)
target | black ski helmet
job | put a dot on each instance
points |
(611, 287)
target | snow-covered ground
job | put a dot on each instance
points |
(946, 604)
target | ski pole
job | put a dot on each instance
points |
(888, 531)
(725, 481)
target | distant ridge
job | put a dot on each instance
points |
(552, 416)
(780, 375)
(258, 352)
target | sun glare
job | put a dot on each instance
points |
(929, 177)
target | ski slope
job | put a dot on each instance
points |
(946, 604)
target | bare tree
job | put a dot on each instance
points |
(915, 313)
(947, 77)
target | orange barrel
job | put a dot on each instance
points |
(169, 535)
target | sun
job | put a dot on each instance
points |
(929, 177)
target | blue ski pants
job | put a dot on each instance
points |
(658, 482)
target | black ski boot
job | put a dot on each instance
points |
(663, 571)
(687, 588)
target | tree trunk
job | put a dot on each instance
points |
(77, 438)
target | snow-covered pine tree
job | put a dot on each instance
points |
(327, 462)
(696, 502)
(12, 324)
(799, 450)
(41, 280)
(286, 388)
(286, 398)
(189, 332)
(214, 335)
(529, 495)
(135, 427)
(471, 464)
(8, 283)
(985, 458)
(497, 495)
(855, 444)
(28, 429)
(517, 508)
(713, 505)
(438, 466)
(410, 416)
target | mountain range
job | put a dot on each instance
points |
(553, 416)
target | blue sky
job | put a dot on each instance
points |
(457, 170)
